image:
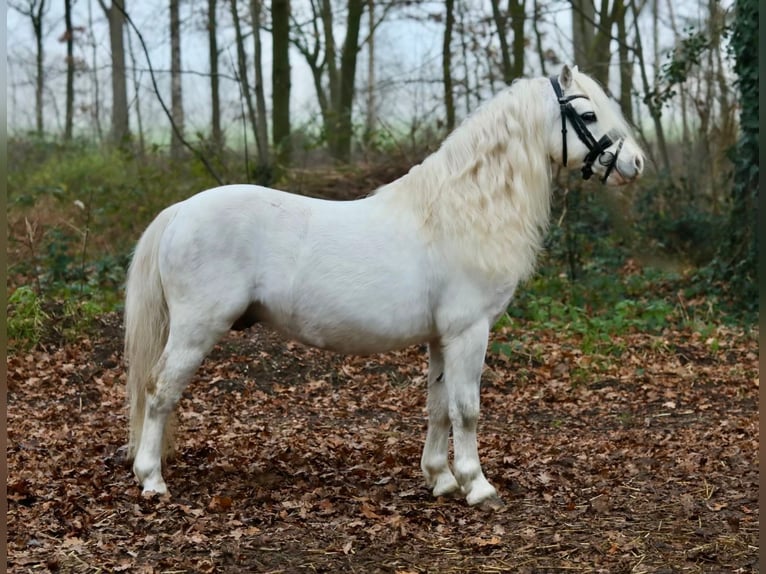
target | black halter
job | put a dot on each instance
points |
(597, 149)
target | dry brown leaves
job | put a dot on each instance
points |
(292, 460)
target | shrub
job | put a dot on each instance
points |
(26, 318)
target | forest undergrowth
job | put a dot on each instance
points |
(619, 407)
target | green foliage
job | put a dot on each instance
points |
(589, 285)
(600, 307)
(737, 259)
(80, 311)
(681, 62)
(26, 318)
(63, 314)
(75, 211)
(671, 219)
(596, 310)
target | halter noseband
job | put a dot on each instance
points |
(597, 149)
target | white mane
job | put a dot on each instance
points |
(486, 191)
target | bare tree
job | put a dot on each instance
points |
(242, 67)
(464, 35)
(371, 115)
(538, 35)
(591, 36)
(115, 14)
(655, 108)
(321, 53)
(70, 63)
(136, 96)
(35, 10)
(449, 98)
(92, 42)
(215, 95)
(200, 156)
(262, 125)
(176, 85)
(583, 29)
(625, 61)
(342, 139)
(513, 64)
(280, 78)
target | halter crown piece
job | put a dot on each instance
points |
(597, 149)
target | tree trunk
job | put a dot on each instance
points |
(691, 171)
(626, 65)
(136, 95)
(342, 147)
(330, 53)
(262, 125)
(335, 107)
(583, 31)
(95, 76)
(516, 10)
(505, 54)
(464, 53)
(591, 36)
(539, 37)
(120, 118)
(737, 261)
(655, 110)
(371, 116)
(449, 98)
(37, 24)
(216, 134)
(242, 67)
(176, 89)
(601, 55)
(280, 79)
(69, 117)
(35, 11)
(311, 53)
(513, 64)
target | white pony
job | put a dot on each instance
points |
(433, 257)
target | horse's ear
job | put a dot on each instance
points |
(565, 77)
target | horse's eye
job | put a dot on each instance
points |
(588, 117)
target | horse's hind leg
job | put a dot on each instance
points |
(435, 459)
(188, 344)
(463, 362)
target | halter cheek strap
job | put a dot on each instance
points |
(565, 106)
(596, 149)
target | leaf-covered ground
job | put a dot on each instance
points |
(295, 460)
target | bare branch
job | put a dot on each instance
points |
(177, 132)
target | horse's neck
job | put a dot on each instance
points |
(491, 205)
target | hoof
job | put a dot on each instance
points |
(446, 486)
(491, 504)
(155, 493)
(153, 484)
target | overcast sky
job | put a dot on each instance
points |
(406, 51)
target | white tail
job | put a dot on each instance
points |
(146, 328)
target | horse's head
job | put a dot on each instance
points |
(589, 132)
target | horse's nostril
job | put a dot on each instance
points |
(639, 163)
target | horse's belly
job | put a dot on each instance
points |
(345, 324)
(361, 343)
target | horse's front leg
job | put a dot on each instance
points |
(435, 459)
(463, 362)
